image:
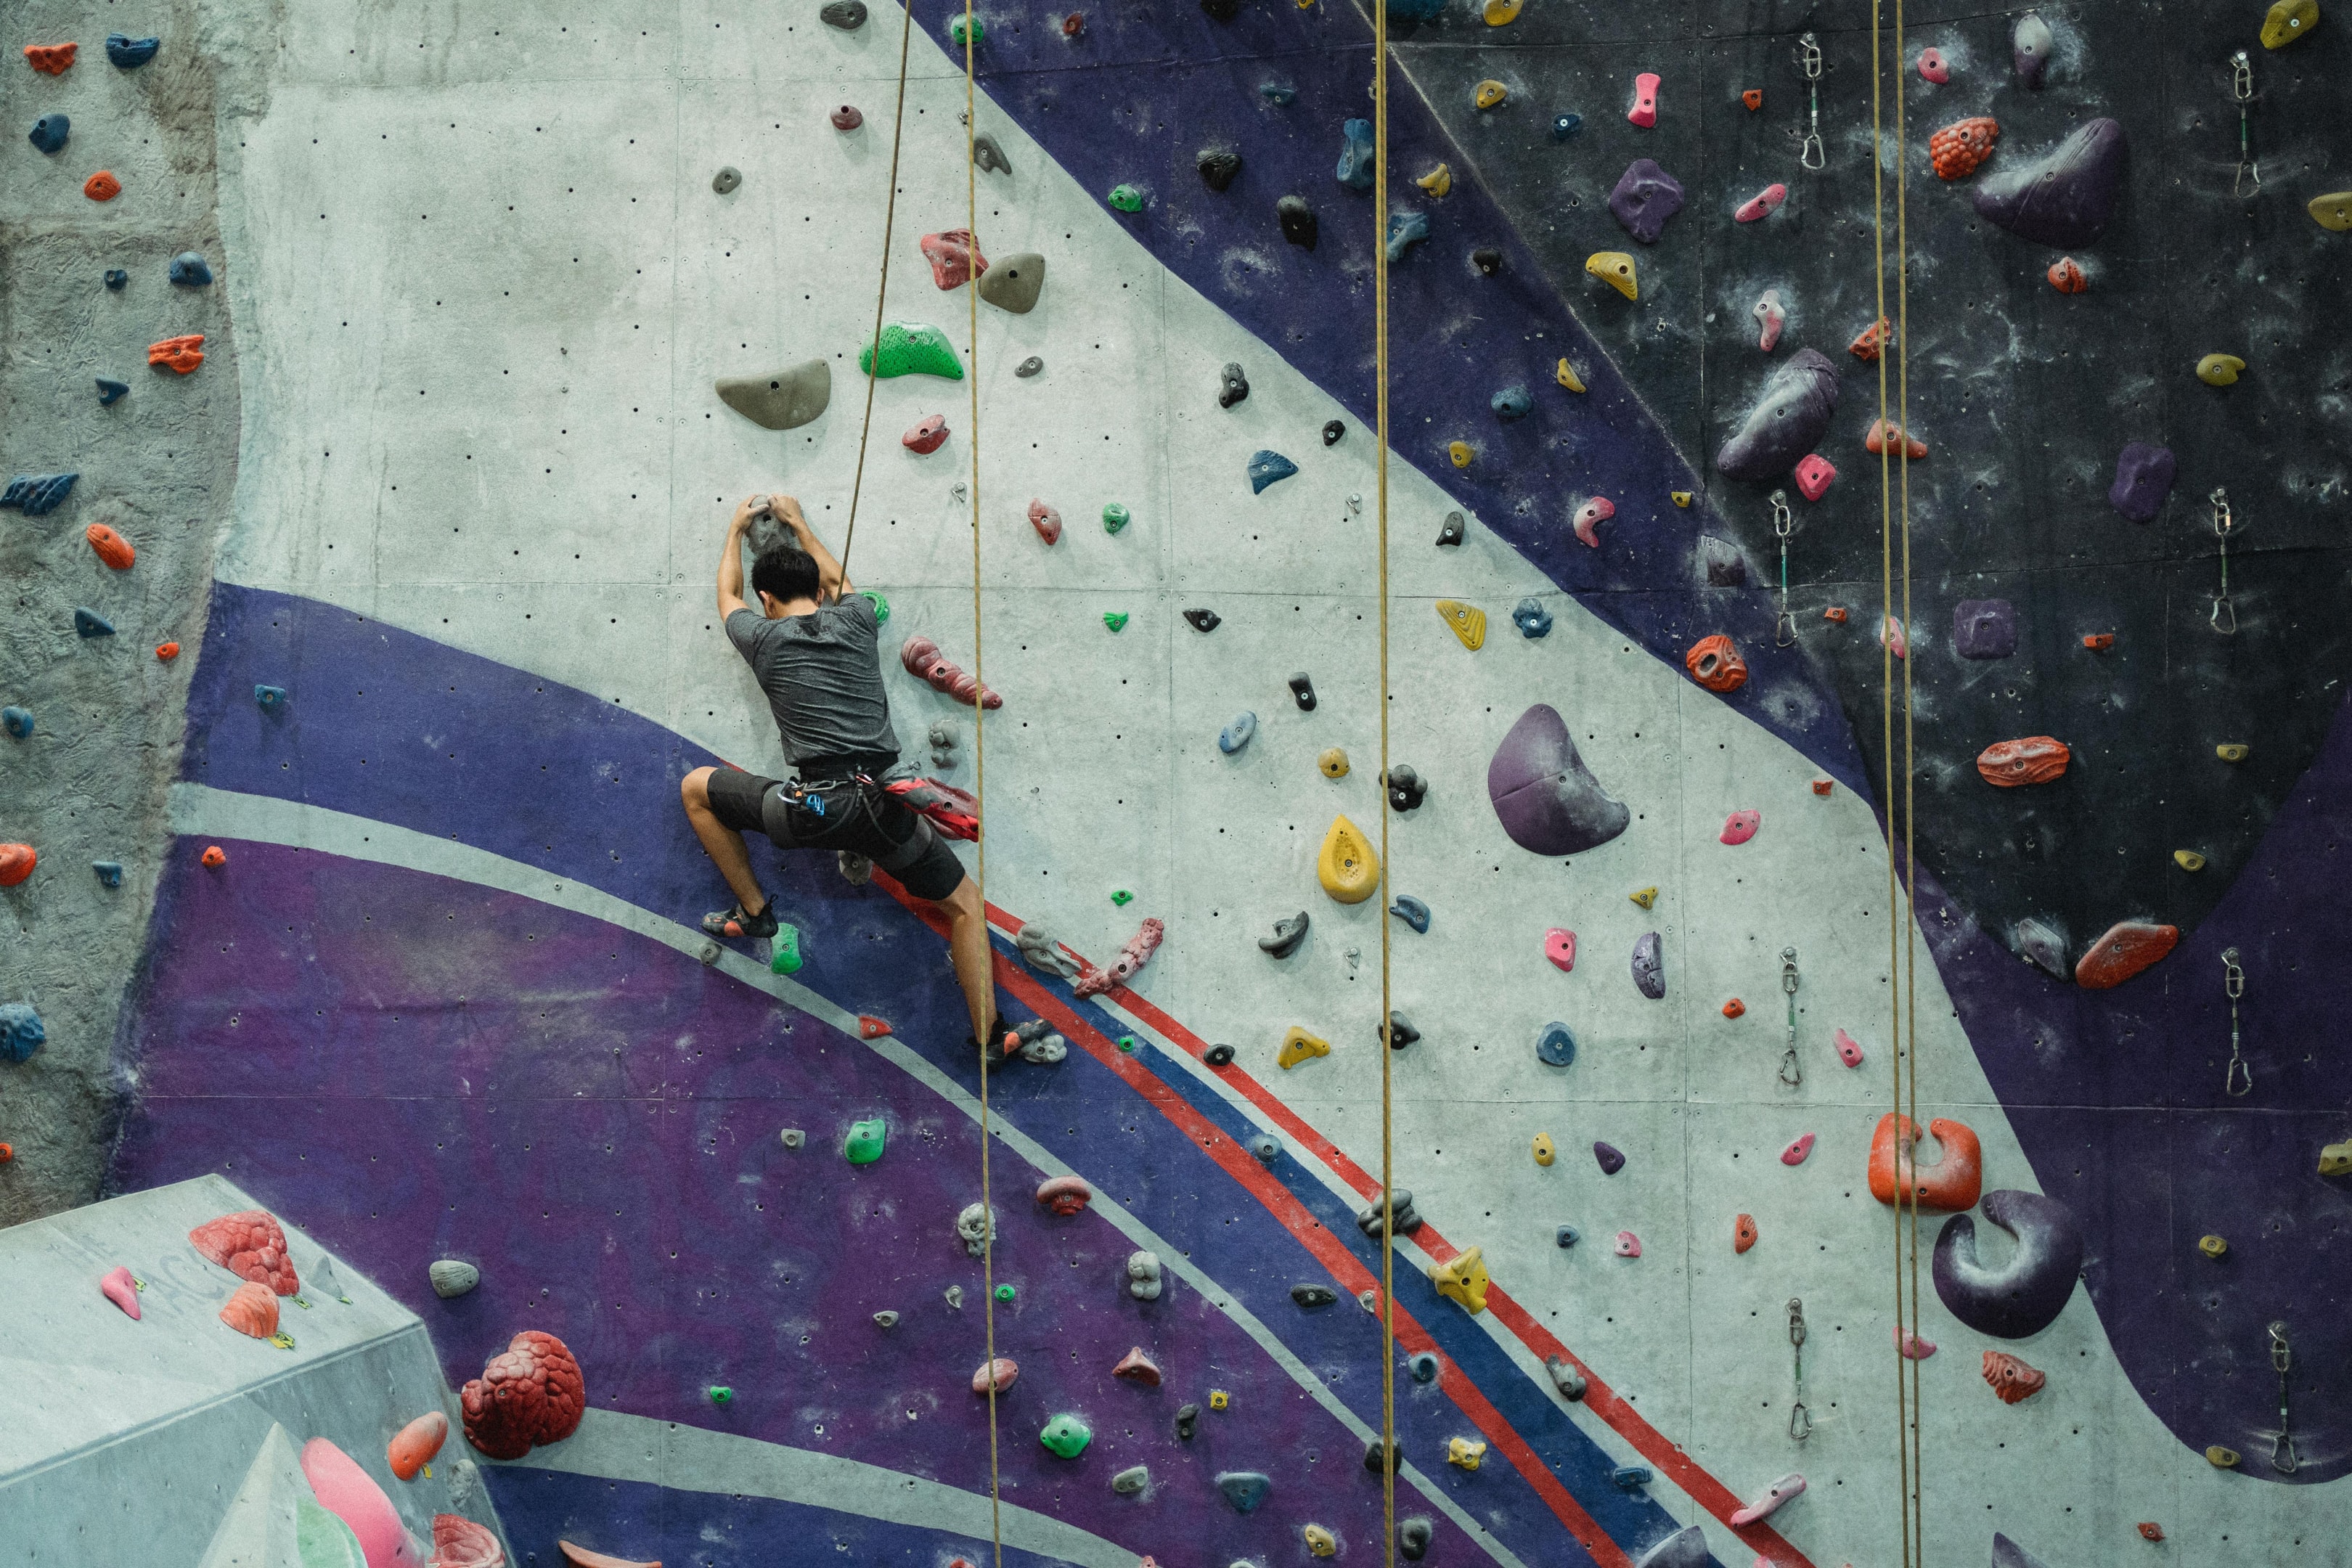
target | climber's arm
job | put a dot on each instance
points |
(730, 560)
(832, 583)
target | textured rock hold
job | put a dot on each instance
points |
(1464, 1280)
(910, 348)
(103, 186)
(451, 1277)
(1739, 827)
(1984, 628)
(1609, 1159)
(50, 59)
(1041, 950)
(182, 355)
(1013, 284)
(2025, 1294)
(2219, 370)
(1770, 316)
(1873, 337)
(530, 1393)
(1406, 788)
(1143, 1276)
(785, 400)
(1646, 197)
(1814, 475)
(1715, 664)
(1953, 1183)
(1245, 1488)
(1132, 955)
(2031, 760)
(2011, 1378)
(37, 495)
(1644, 109)
(49, 132)
(1549, 803)
(1615, 268)
(2288, 20)
(1788, 418)
(1649, 967)
(1956, 150)
(2144, 476)
(2066, 276)
(2065, 198)
(1769, 1500)
(1464, 1453)
(249, 1245)
(1370, 1219)
(1267, 467)
(1762, 205)
(2126, 948)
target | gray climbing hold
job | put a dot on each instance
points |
(1302, 691)
(49, 131)
(109, 389)
(885, 1320)
(451, 1279)
(847, 15)
(1314, 1295)
(1547, 800)
(1649, 966)
(1789, 420)
(783, 401)
(1218, 166)
(1413, 1536)
(1267, 467)
(1012, 283)
(2143, 480)
(1646, 197)
(1368, 1218)
(1686, 1547)
(953, 1297)
(17, 721)
(989, 158)
(1984, 628)
(1232, 385)
(1045, 1049)
(1040, 949)
(1143, 1280)
(793, 1137)
(1610, 1159)
(708, 952)
(109, 872)
(1564, 1376)
(1405, 787)
(1355, 170)
(1267, 1147)
(2065, 197)
(1532, 619)
(1721, 562)
(1424, 1366)
(2006, 1554)
(2030, 46)
(1566, 1235)
(1288, 932)
(1512, 403)
(21, 1030)
(36, 495)
(189, 270)
(2045, 945)
(1406, 229)
(1130, 1480)
(1245, 1488)
(1401, 1032)
(1236, 735)
(129, 54)
(1454, 530)
(976, 1228)
(91, 624)
(1186, 1416)
(1297, 220)
(727, 179)
(1555, 1046)
(1411, 911)
(1028, 367)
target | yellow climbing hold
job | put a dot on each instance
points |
(2333, 210)
(2287, 21)
(1463, 1281)
(2335, 1160)
(1460, 452)
(1615, 268)
(1438, 182)
(2222, 1459)
(1490, 93)
(1465, 1451)
(1298, 1045)
(1681, 497)
(2189, 859)
(1218, 1399)
(1543, 1149)
(2231, 750)
(1647, 898)
(1569, 378)
(1320, 1542)
(2219, 370)
(1502, 13)
(2212, 1246)
(1347, 868)
(1334, 763)
(1468, 621)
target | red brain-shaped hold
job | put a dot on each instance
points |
(250, 1245)
(532, 1394)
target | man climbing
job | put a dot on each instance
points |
(813, 645)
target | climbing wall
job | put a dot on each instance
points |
(425, 907)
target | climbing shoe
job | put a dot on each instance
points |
(1001, 1039)
(735, 923)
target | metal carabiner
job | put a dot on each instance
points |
(2224, 618)
(1800, 1419)
(2284, 1458)
(1784, 625)
(2241, 88)
(1792, 1071)
(2237, 1078)
(1809, 54)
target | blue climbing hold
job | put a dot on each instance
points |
(1245, 1488)
(18, 722)
(1532, 619)
(38, 494)
(109, 872)
(116, 278)
(1566, 1235)
(271, 698)
(1405, 231)
(1237, 734)
(190, 271)
(21, 1033)
(109, 389)
(49, 131)
(1267, 467)
(1630, 1477)
(1424, 1366)
(1278, 92)
(1564, 126)
(1267, 1147)
(91, 624)
(1356, 158)
(1556, 1046)
(1512, 403)
(1411, 911)
(130, 53)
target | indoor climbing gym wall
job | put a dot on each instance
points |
(1773, 868)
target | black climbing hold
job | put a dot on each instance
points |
(988, 157)
(1487, 261)
(1287, 934)
(1186, 1416)
(1726, 567)
(116, 278)
(1368, 1217)
(189, 270)
(1332, 430)
(1314, 1295)
(1218, 167)
(1222, 10)
(1297, 220)
(1379, 1457)
(1564, 126)
(1452, 530)
(109, 389)
(1204, 620)
(1406, 788)
(1278, 93)
(1302, 690)
(37, 495)
(109, 872)
(1401, 1033)
(1232, 386)
(129, 54)
(91, 624)
(1029, 367)
(1413, 1537)
(1218, 1055)
(49, 131)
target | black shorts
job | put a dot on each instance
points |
(863, 820)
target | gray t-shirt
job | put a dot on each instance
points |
(822, 678)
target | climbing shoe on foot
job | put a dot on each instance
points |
(735, 923)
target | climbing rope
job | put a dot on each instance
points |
(1388, 1046)
(882, 289)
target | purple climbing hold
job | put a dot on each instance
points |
(2028, 48)
(1611, 1162)
(2024, 1294)
(1646, 197)
(1547, 801)
(2064, 198)
(1649, 966)
(1789, 420)
(2143, 480)
(1984, 628)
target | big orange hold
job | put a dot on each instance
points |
(1953, 1182)
(101, 186)
(167, 651)
(1715, 664)
(2128, 947)
(50, 58)
(16, 863)
(1959, 147)
(111, 547)
(412, 1448)
(182, 353)
(252, 1311)
(2035, 759)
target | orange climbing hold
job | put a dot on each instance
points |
(1743, 1233)
(51, 59)
(2011, 1378)
(2128, 947)
(1822, 786)
(101, 186)
(1735, 1008)
(1959, 147)
(1753, 98)
(581, 1557)
(1715, 664)
(1953, 1182)
(2150, 1531)
(2066, 276)
(249, 1245)
(167, 651)
(1874, 338)
(16, 863)
(111, 547)
(2098, 642)
(413, 1446)
(253, 1309)
(870, 1027)
(182, 354)
(1882, 434)
(2032, 760)
(215, 857)
(1835, 613)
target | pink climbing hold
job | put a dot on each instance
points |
(923, 660)
(1849, 1050)
(1776, 1494)
(459, 1543)
(1770, 316)
(119, 1288)
(1559, 946)
(1815, 473)
(351, 1494)
(1131, 958)
(1894, 639)
(926, 436)
(1628, 1245)
(954, 256)
(1006, 1371)
(1794, 1154)
(1064, 1196)
(1932, 66)
(250, 1245)
(1644, 111)
(1741, 826)
(1045, 521)
(1137, 1367)
(1762, 205)
(1912, 1346)
(1598, 509)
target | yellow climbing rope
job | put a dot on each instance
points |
(1902, 940)
(1380, 459)
(882, 289)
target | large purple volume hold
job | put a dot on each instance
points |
(1547, 801)
(1646, 197)
(2143, 479)
(2024, 1295)
(2066, 196)
(1788, 421)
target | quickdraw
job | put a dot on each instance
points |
(1792, 1072)
(1784, 625)
(1800, 1420)
(1809, 55)
(2241, 88)
(2224, 618)
(2237, 1078)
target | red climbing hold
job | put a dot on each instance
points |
(2011, 1378)
(413, 1446)
(926, 435)
(954, 256)
(252, 1310)
(1074, 23)
(249, 1245)
(50, 58)
(870, 1027)
(1822, 786)
(531, 1393)
(847, 118)
(1872, 339)
(1137, 1367)
(1743, 1233)
(214, 856)
(2032, 760)
(2098, 642)
(101, 186)
(1835, 613)
(182, 353)
(1959, 147)
(1064, 1195)
(111, 547)
(167, 651)
(2150, 1531)
(1132, 957)
(1955, 1182)
(923, 660)
(16, 863)
(2066, 276)
(1883, 434)
(1814, 476)
(1735, 1008)
(1001, 1373)
(1753, 98)
(1932, 66)
(1045, 521)
(2128, 947)
(1715, 663)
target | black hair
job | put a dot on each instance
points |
(785, 573)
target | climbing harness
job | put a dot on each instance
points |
(2283, 1455)
(2237, 1078)
(2224, 618)
(1792, 1073)
(2241, 88)
(1784, 625)
(1809, 55)
(1800, 1420)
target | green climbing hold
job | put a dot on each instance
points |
(784, 950)
(1115, 619)
(322, 1540)
(1127, 198)
(1007, 1293)
(720, 1393)
(1122, 897)
(863, 1145)
(1066, 1436)
(979, 31)
(910, 348)
(1113, 518)
(881, 606)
